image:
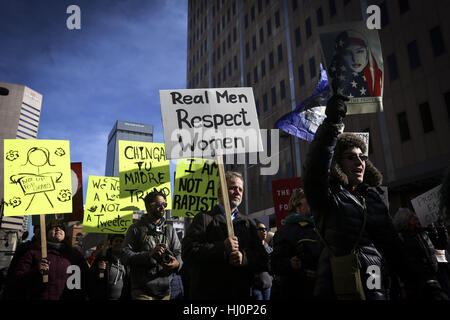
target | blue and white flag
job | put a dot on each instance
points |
(309, 114)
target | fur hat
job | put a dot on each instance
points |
(56, 223)
(345, 141)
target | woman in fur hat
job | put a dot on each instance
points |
(352, 220)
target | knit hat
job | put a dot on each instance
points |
(347, 140)
(56, 223)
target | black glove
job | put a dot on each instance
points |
(336, 108)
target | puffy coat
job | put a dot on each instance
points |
(339, 215)
(27, 274)
(203, 251)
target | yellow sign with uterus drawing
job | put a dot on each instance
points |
(37, 177)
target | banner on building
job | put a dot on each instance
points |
(195, 186)
(37, 177)
(354, 64)
(282, 190)
(143, 167)
(103, 214)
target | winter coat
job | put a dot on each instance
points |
(339, 216)
(28, 276)
(203, 251)
(115, 278)
(296, 238)
(263, 280)
(146, 273)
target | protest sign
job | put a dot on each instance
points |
(426, 206)
(282, 190)
(206, 122)
(354, 63)
(103, 214)
(37, 177)
(142, 167)
(195, 186)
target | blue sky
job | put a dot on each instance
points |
(112, 69)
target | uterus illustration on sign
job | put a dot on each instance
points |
(38, 183)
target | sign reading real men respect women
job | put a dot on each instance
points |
(207, 122)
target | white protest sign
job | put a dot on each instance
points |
(365, 137)
(208, 122)
(426, 206)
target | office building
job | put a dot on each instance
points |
(124, 130)
(20, 109)
(273, 46)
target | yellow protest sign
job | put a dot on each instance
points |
(195, 186)
(37, 177)
(102, 209)
(142, 167)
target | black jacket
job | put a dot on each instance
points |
(295, 238)
(203, 253)
(339, 214)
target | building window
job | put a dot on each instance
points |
(234, 34)
(294, 5)
(308, 28)
(403, 126)
(255, 74)
(269, 28)
(274, 96)
(301, 75)
(252, 13)
(248, 80)
(259, 6)
(447, 102)
(246, 21)
(413, 55)
(298, 39)
(319, 16)
(280, 53)
(271, 61)
(277, 19)
(392, 65)
(403, 6)
(384, 14)
(235, 62)
(254, 43)
(312, 67)
(247, 50)
(437, 41)
(261, 35)
(257, 106)
(282, 90)
(265, 105)
(425, 115)
(263, 68)
(332, 4)
(229, 68)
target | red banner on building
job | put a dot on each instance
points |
(282, 190)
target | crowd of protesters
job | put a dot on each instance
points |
(339, 241)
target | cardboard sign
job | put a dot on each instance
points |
(282, 190)
(206, 122)
(103, 213)
(196, 184)
(354, 64)
(426, 206)
(142, 167)
(37, 177)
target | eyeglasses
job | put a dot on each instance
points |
(262, 229)
(354, 157)
(160, 204)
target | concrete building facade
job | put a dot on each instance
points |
(273, 47)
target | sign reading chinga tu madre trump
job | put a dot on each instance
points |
(207, 122)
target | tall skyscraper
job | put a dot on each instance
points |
(273, 47)
(20, 109)
(124, 130)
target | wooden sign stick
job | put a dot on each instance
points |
(43, 246)
(105, 244)
(226, 201)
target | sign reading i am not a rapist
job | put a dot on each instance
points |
(204, 123)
